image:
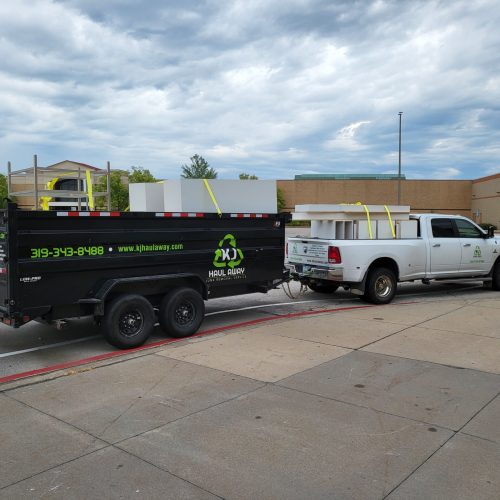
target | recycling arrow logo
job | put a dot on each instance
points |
(228, 254)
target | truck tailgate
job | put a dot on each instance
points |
(308, 251)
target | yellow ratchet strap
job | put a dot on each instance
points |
(89, 191)
(390, 220)
(214, 201)
(369, 221)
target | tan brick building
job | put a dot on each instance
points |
(478, 199)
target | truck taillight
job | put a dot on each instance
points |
(334, 255)
(286, 250)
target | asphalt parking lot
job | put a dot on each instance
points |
(399, 401)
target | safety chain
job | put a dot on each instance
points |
(289, 293)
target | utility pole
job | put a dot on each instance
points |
(399, 163)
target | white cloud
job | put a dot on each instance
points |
(272, 89)
(346, 138)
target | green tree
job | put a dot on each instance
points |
(281, 199)
(245, 177)
(140, 174)
(3, 191)
(199, 169)
(118, 188)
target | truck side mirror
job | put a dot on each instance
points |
(491, 232)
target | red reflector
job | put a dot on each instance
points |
(286, 249)
(334, 255)
(26, 319)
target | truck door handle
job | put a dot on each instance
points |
(436, 245)
(466, 244)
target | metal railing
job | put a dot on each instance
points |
(79, 174)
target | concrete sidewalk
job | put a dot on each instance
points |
(400, 401)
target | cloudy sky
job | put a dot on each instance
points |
(269, 87)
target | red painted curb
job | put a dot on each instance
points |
(121, 352)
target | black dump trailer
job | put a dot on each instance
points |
(131, 269)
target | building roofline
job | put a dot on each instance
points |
(487, 178)
(75, 162)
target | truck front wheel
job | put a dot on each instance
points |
(181, 312)
(380, 286)
(128, 321)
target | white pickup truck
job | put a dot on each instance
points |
(446, 247)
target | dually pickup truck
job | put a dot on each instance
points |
(446, 247)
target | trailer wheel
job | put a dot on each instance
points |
(181, 312)
(495, 282)
(323, 287)
(128, 321)
(380, 286)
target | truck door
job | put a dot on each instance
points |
(445, 248)
(476, 253)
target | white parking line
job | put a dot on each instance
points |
(271, 305)
(83, 339)
(49, 346)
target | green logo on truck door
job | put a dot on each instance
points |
(477, 252)
(228, 254)
(227, 259)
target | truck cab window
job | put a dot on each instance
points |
(442, 228)
(467, 230)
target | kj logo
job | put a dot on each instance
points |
(228, 254)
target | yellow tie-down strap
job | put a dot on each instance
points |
(89, 191)
(367, 211)
(44, 200)
(214, 201)
(369, 221)
(390, 221)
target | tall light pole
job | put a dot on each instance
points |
(399, 163)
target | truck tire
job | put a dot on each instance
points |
(128, 321)
(181, 312)
(323, 287)
(495, 281)
(380, 286)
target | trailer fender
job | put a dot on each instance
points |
(142, 285)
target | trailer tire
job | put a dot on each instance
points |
(128, 321)
(323, 287)
(381, 286)
(181, 312)
(495, 277)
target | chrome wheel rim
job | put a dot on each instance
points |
(383, 286)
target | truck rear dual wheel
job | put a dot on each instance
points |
(128, 321)
(380, 286)
(181, 312)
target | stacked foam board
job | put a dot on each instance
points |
(146, 197)
(192, 195)
(346, 221)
